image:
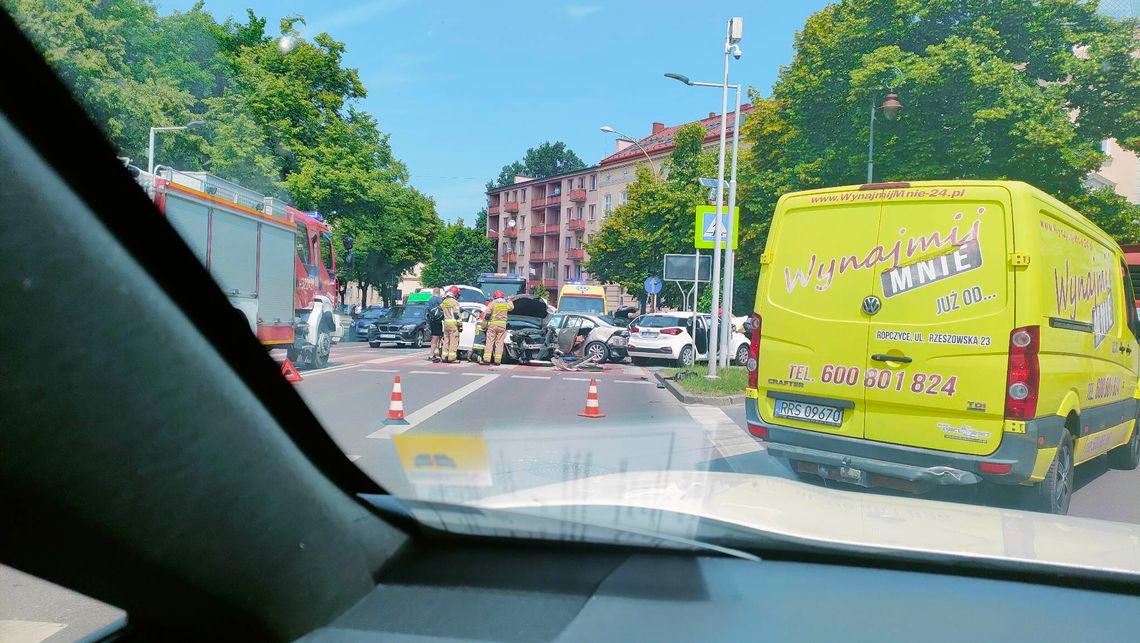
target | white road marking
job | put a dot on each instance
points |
(474, 374)
(632, 382)
(530, 377)
(393, 358)
(17, 631)
(728, 438)
(435, 407)
(576, 379)
(430, 372)
(331, 369)
(354, 458)
(379, 370)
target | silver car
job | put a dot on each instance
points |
(536, 332)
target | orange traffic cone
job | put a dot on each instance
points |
(290, 371)
(592, 410)
(396, 406)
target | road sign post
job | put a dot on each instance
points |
(652, 287)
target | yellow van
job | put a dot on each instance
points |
(582, 298)
(909, 335)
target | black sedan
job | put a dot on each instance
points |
(403, 325)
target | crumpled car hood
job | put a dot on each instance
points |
(527, 306)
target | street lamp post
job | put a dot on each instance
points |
(150, 142)
(610, 130)
(890, 107)
(733, 34)
(729, 253)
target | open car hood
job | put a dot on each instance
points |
(534, 307)
(853, 520)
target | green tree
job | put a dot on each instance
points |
(657, 218)
(541, 292)
(991, 90)
(548, 159)
(458, 256)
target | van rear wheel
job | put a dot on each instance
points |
(1127, 455)
(1054, 493)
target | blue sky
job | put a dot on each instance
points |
(466, 87)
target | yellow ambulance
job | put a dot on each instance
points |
(582, 298)
(912, 335)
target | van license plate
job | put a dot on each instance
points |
(808, 412)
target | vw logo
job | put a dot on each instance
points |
(871, 305)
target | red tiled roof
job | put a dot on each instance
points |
(662, 141)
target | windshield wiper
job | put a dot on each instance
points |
(479, 521)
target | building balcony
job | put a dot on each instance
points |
(578, 196)
(512, 207)
(576, 254)
(551, 284)
(511, 257)
(544, 255)
(552, 200)
(576, 225)
(552, 229)
(491, 234)
(493, 210)
(511, 233)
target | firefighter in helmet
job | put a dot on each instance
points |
(496, 328)
(480, 343)
(450, 307)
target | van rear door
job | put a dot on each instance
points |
(937, 349)
(814, 341)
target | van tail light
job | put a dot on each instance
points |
(758, 430)
(1023, 376)
(753, 364)
(670, 331)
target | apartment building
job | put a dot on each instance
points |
(541, 227)
(618, 170)
(553, 217)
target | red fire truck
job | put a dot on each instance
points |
(275, 263)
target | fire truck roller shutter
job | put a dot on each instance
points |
(233, 253)
(191, 220)
(278, 270)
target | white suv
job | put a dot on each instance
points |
(666, 336)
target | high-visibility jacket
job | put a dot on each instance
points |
(498, 312)
(450, 309)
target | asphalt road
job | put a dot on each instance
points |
(521, 410)
(474, 431)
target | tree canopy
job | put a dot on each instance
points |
(280, 114)
(548, 159)
(1022, 90)
(459, 255)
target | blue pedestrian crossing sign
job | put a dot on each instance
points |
(706, 226)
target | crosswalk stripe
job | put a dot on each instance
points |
(728, 438)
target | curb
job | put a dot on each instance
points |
(691, 398)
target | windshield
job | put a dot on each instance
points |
(920, 215)
(406, 313)
(579, 304)
(508, 288)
